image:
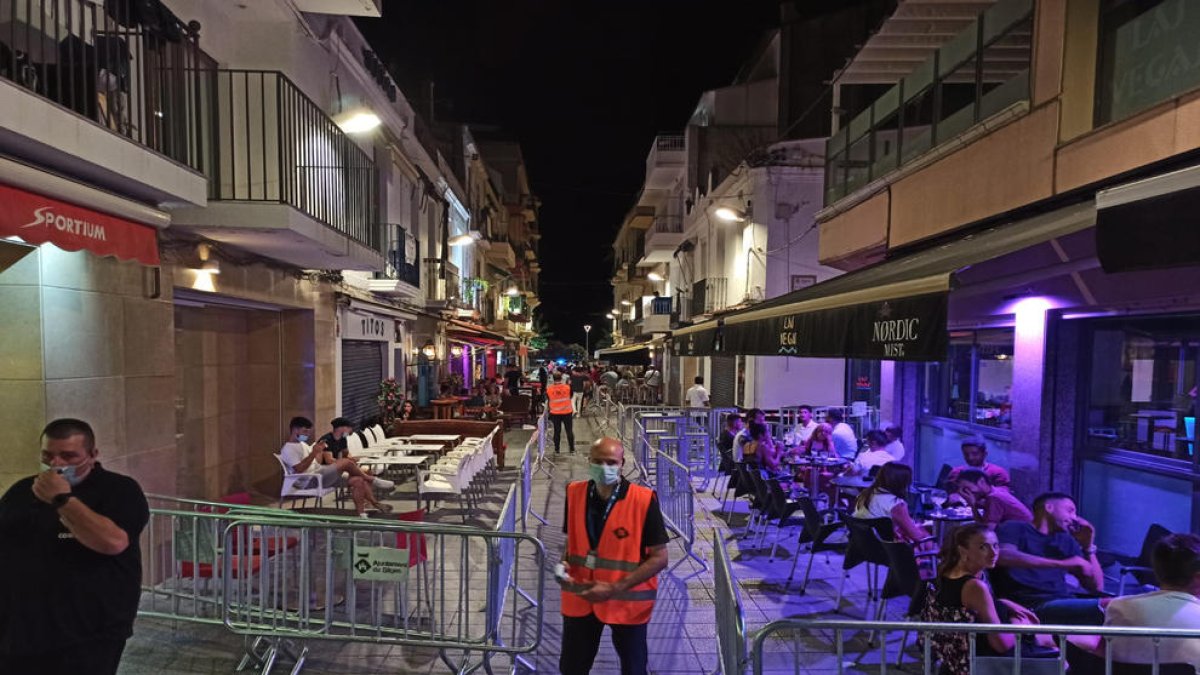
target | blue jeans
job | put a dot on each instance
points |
(1070, 612)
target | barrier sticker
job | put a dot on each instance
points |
(380, 563)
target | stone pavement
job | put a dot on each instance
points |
(682, 633)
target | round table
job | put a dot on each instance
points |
(443, 408)
(816, 467)
(948, 518)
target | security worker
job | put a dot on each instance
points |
(558, 396)
(616, 546)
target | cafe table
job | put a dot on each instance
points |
(436, 438)
(817, 466)
(947, 518)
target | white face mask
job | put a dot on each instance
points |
(303, 438)
(604, 474)
(67, 472)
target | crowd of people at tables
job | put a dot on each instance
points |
(1008, 563)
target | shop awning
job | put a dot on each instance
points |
(895, 310)
(36, 219)
(473, 336)
(626, 355)
(1150, 224)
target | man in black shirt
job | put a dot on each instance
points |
(335, 441)
(70, 560)
(512, 379)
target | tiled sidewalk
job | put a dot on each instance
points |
(682, 633)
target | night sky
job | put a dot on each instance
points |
(584, 86)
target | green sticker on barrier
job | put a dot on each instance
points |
(380, 563)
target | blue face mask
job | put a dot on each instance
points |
(67, 472)
(303, 438)
(603, 474)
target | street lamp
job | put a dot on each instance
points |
(587, 344)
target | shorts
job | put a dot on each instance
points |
(331, 476)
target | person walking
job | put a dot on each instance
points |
(616, 546)
(558, 397)
(579, 380)
(71, 560)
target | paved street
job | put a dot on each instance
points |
(682, 634)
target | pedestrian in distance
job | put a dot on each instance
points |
(616, 546)
(558, 397)
(71, 563)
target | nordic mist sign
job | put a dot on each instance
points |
(893, 335)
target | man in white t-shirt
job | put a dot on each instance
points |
(804, 430)
(1176, 560)
(845, 443)
(317, 460)
(697, 395)
(894, 447)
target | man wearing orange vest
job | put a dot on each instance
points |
(616, 546)
(558, 397)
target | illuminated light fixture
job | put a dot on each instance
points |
(611, 315)
(429, 350)
(465, 239)
(512, 291)
(210, 267)
(456, 351)
(627, 303)
(358, 121)
(729, 215)
(654, 276)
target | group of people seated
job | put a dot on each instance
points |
(329, 457)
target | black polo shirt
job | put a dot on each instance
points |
(335, 446)
(55, 592)
(654, 532)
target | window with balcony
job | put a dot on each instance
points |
(975, 75)
(1147, 54)
(403, 256)
(138, 73)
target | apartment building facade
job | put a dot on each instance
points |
(226, 215)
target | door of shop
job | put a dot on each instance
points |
(724, 381)
(362, 371)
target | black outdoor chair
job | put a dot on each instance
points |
(943, 474)
(903, 580)
(739, 482)
(1082, 661)
(781, 508)
(865, 547)
(1140, 568)
(816, 533)
(760, 499)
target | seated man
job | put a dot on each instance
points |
(992, 505)
(335, 440)
(894, 445)
(974, 452)
(733, 426)
(301, 458)
(845, 443)
(875, 454)
(1176, 561)
(1036, 557)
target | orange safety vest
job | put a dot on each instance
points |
(619, 552)
(560, 399)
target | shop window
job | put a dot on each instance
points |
(1142, 394)
(1147, 55)
(974, 384)
(862, 382)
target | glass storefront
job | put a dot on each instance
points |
(1142, 391)
(974, 384)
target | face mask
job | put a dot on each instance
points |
(303, 438)
(67, 472)
(604, 474)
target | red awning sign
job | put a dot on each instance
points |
(39, 220)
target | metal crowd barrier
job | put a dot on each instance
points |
(803, 646)
(503, 580)
(731, 614)
(543, 464)
(526, 493)
(676, 498)
(286, 578)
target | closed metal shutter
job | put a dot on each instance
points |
(724, 380)
(362, 371)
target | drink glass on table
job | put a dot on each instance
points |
(938, 497)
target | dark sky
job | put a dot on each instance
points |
(584, 86)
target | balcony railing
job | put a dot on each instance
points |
(660, 306)
(438, 287)
(975, 75)
(403, 256)
(708, 296)
(274, 144)
(668, 224)
(136, 73)
(669, 143)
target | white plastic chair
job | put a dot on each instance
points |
(369, 434)
(302, 486)
(441, 480)
(354, 443)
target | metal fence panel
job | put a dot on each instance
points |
(730, 613)
(676, 498)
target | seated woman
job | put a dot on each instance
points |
(885, 499)
(961, 594)
(821, 441)
(761, 450)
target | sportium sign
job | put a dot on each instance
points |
(39, 220)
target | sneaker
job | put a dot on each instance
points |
(381, 484)
(364, 514)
